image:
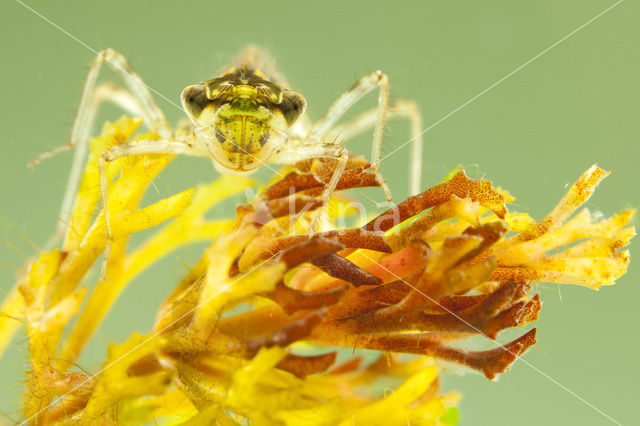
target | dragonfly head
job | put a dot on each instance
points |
(242, 117)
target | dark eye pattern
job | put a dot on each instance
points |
(194, 100)
(292, 106)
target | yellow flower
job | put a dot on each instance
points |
(440, 267)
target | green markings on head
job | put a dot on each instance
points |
(243, 116)
(245, 108)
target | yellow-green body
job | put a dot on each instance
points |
(243, 116)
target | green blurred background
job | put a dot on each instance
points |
(533, 134)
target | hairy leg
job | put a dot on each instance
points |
(147, 146)
(402, 108)
(138, 99)
(335, 151)
(366, 84)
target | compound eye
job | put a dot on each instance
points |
(197, 104)
(292, 106)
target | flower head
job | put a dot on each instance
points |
(237, 341)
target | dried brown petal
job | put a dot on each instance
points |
(297, 330)
(341, 268)
(303, 366)
(292, 301)
(460, 186)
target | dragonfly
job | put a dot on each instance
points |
(242, 119)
